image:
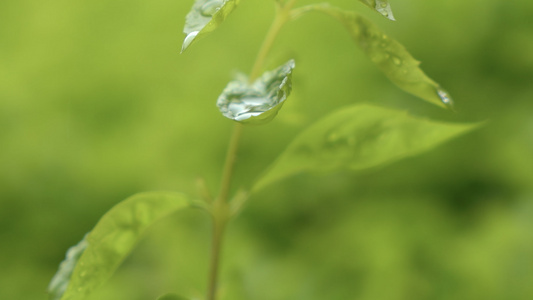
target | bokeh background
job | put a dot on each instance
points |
(96, 104)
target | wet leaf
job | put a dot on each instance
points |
(204, 17)
(259, 102)
(59, 283)
(390, 56)
(359, 137)
(381, 6)
(90, 263)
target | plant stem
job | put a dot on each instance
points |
(282, 16)
(219, 226)
(230, 163)
(220, 209)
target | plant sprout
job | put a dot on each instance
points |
(353, 138)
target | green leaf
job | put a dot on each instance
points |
(90, 263)
(381, 6)
(259, 102)
(357, 138)
(59, 283)
(390, 56)
(204, 17)
(172, 297)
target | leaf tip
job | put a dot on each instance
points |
(188, 40)
(383, 7)
(445, 99)
(59, 283)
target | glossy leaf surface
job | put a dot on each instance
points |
(204, 17)
(357, 138)
(59, 283)
(390, 56)
(259, 102)
(381, 6)
(111, 240)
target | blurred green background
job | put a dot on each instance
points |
(96, 104)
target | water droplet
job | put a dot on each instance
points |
(397, 61)
(242, 100)
(246, 116)
(445, 97)
(384, 9)
(188, 40)
(241, 107)
(384, 41)
(210, 8)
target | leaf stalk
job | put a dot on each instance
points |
(221, 211)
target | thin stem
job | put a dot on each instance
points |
(298, 12)
(219, 227)
(220, 210)
(229, 165)
(282, 16)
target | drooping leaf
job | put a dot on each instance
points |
(204, 17)
(381, 6)
(390, 56)
(259, 102)
(60, 281)
(359, 137)
(92, 261)
(172, 297)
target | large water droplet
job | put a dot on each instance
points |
(210, 8)
(244, 102)
(241, 100)
(445, 97)
(188, 40)
(246, 115)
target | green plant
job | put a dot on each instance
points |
(355, 138)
